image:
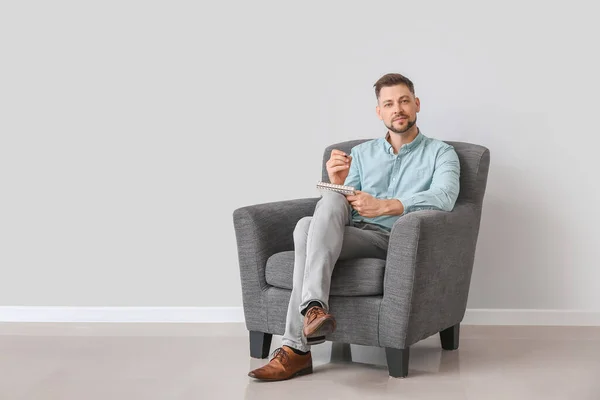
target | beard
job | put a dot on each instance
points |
(409, 125)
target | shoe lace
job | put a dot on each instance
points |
(280, 354)
(313, 313)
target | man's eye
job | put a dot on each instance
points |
(387, 105)
(405, 101)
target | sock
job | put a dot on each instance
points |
(311, 304)
(302, 353)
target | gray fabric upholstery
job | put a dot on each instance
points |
(261, 231)
(347, 311)
(428, 272)
(357, 277)
(425, 280)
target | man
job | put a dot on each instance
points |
(401, 173)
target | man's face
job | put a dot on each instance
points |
(398, 108)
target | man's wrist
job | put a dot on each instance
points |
(392, 207)
(337, 181)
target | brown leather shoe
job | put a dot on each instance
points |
(317, 325)
(285, 364)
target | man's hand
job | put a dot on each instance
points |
(366, 205)
(338, 166)
(370, 207)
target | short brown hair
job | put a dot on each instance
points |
(393, 80)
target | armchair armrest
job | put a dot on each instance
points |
(428, 273)
(262, 230)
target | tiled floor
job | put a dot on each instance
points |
(210, 361)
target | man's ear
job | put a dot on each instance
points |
(378, 111)
(418, 103)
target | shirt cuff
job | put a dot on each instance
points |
(407, 203)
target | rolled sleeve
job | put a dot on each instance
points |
(353, 178)
(444, 189)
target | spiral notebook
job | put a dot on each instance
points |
(345, 190)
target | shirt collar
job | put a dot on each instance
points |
(408, 146)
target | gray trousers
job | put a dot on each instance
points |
(319, 241)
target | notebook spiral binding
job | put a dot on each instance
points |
(345, 190)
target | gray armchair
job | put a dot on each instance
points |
(420, 290)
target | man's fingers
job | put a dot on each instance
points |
(340, 155)
(337, 152)
(336, 169)
(340, 158)
(355, 200)
(333, 163)
(338, 161)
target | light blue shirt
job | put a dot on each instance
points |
(424, 175)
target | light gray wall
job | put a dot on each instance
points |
(130, 131)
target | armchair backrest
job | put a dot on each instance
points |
(474, 166)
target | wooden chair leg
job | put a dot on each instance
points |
(449, 337)
(397, 360)
(260, 344)
(340, 352)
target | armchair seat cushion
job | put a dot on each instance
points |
(355, 277)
